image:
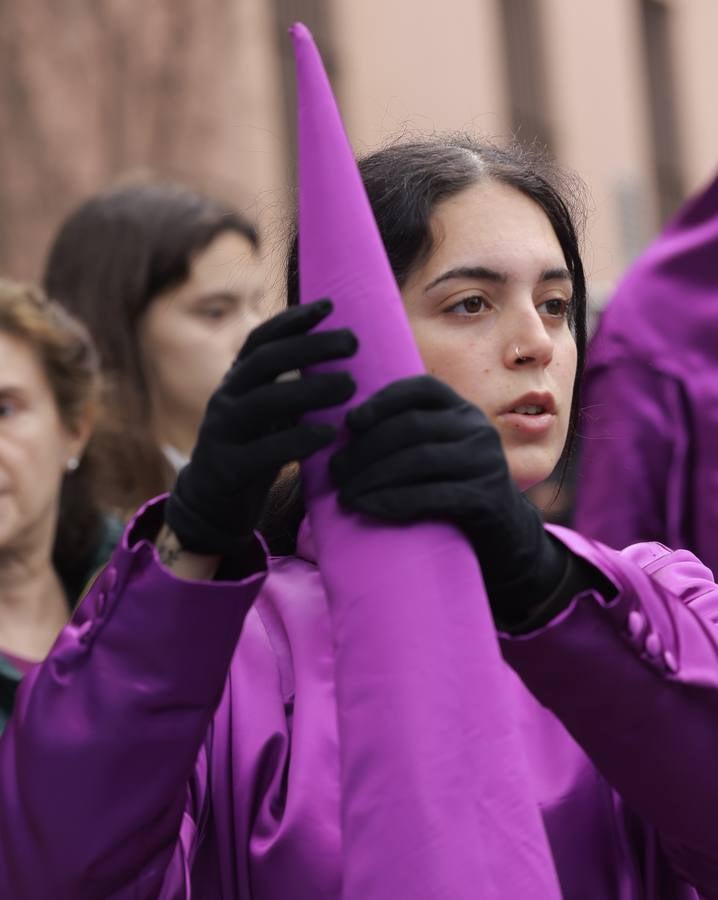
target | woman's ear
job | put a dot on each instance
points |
(79, 434)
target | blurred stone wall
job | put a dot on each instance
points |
(203, 91)
(93, 89)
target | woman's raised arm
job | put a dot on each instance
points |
(634, 678)
(95, 762)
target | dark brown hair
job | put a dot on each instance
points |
(69, 360)
(404, 182)
(110, 258)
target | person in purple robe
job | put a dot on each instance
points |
(53, 533)
(181, 739)
(650, 422)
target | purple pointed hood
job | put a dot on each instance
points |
(435, 798)
(665, 309)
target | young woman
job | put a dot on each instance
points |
(169, 283)
(202, 758)
(52, 535)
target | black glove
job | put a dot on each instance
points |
(419, 451)
(252, 428)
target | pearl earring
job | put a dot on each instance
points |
(72, 464)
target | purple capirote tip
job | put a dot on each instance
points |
(341, 254)
(300, 32)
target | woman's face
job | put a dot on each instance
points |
(190, 334)
(494, 289)
(35, 446)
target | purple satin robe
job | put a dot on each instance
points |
(649, 459)
(180, 741)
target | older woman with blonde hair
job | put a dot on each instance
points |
(52, 534)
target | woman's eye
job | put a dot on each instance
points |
(213, 312)
(7, 408)
(469, 306)
(556, 307)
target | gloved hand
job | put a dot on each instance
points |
(252, 428)
(419, 451)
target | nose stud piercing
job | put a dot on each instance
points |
(519, 358)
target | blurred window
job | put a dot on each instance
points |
(315, 14)
(656, 23)
(524, 55)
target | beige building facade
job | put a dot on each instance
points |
(621, 91)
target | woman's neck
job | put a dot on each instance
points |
(33, 605)
(172, 432)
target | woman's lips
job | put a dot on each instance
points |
(530, 425)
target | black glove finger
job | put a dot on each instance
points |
(417, 392)
(274, 407)
(424, 465)
(405, 429)
(413, 503)
(285, 355)
(295, 320)
(274, 451)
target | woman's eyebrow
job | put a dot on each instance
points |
(560, 274)
(231, 296)
(484, 274)
(478, 272)
(11, 391)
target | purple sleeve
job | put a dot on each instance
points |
(635, 681)
(632, 477)
(100, 766)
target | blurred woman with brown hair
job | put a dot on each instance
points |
(169, 283)
(52, 533)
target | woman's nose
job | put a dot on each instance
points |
(528, 343)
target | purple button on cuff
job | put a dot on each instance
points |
(100, 601)
(636, 624)
(653, 644)
(84, 631)
(671, 663)
(110, 578)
